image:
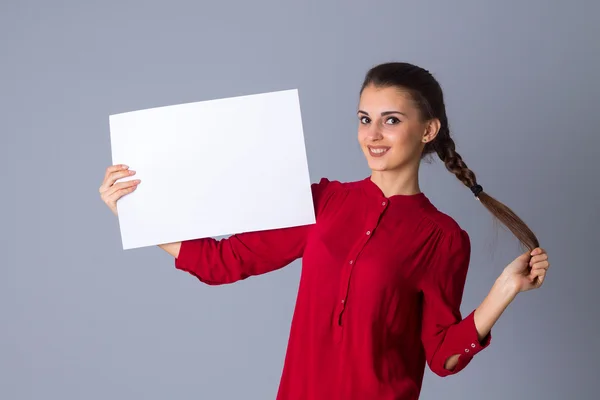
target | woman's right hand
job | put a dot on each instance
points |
(111, 192)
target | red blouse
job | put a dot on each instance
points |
(380, 290)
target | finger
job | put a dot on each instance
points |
(537, 251)
(109, 170)
(114, 168)
(118, 186)
(524, 257)
(116, 192)
(113, 177)
(541, 265)
(540, 280)
(538, 258)
(538, 273)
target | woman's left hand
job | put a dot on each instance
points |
(528, 270)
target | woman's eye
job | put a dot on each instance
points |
(364, 120)
(394, 120)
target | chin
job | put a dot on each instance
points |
(378, 166)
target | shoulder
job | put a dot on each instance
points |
(327, 191)
(447, 236)
(441, 220)
(449, 248)
(330, 186)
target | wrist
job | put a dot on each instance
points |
(505, 287)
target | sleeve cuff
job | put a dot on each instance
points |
(469, 343)
(463, 340)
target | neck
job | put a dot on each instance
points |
(399, 182)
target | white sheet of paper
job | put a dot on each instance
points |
(212, 168)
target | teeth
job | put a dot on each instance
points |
(378, 151)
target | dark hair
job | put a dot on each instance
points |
(426, 92)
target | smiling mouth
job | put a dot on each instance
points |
(377, 151)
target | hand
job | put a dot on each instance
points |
(111, 192)
(528, 270)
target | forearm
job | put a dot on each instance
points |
(171, 248)
(489, 311)
(494, 304)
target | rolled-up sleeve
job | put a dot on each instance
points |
(228, 260)
(444, 332)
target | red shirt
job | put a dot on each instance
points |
(380, 289)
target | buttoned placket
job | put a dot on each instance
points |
(351, 262)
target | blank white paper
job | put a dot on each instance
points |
(212, 168)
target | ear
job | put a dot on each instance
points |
(432, 128)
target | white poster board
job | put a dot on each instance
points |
(212, 168)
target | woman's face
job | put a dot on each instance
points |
(391, 132)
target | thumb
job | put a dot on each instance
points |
(522, 260)
(520, 263)
(525, 256)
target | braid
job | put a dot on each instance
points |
(429, 99)
(446, 149)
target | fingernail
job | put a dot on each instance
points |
(124, 166)
(131, 171)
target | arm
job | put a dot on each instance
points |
(489, 311)
(494, 304)
(525, 273)
(450, 341)
(171, 248)
(239, 256)
(217, 262)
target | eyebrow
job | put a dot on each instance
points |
(383, 114)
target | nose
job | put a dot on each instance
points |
(374, 132)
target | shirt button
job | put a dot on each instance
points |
(473, 345)
(383, 204)
(466, 350)
(368, 232)
(343, 301)
(351, 262)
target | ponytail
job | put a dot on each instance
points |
(445, 148)
(429, 98)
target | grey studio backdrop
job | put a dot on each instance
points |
(83, 319)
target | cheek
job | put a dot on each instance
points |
(401, 139)
(363, 134)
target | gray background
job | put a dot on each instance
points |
(82, 319)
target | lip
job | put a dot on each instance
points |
(371, 148)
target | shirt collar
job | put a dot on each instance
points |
(417, 200)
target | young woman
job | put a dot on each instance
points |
(383, 271)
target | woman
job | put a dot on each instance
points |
(383, 270)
